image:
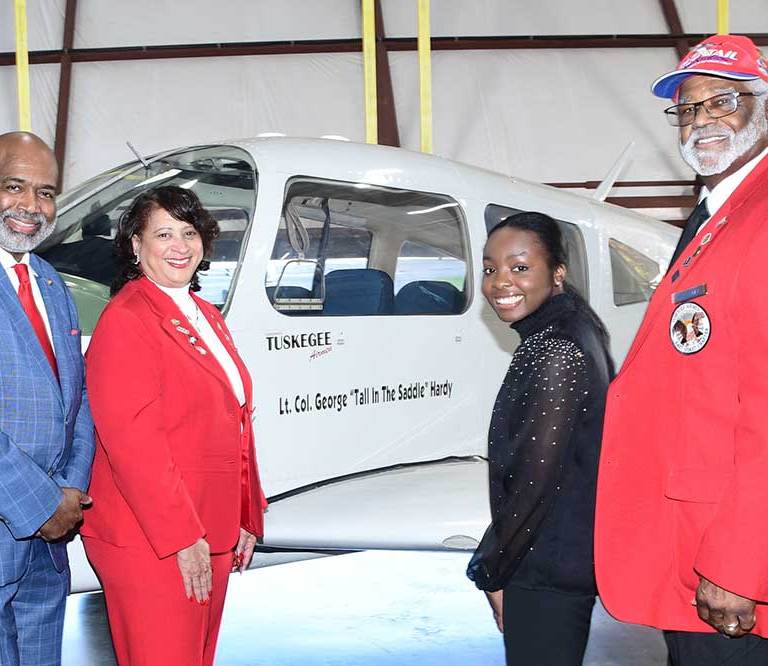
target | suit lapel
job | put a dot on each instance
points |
(23, 327)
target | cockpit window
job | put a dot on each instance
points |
(81, 248)
(634, 275)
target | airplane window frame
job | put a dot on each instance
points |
(339, 204)
(621, 266)
(100, 201)
(575, 246)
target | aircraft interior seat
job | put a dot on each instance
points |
(429, 297)
(288, 291)
(226, 249)
(358, 291)
(101, 225)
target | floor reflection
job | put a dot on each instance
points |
(371, 608)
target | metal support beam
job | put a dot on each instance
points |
(65, 78)
(675, 25)
(660, 201)
(387, 114)
(355, 45)
(594, 184)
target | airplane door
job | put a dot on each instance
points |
(362, 362)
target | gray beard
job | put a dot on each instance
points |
(739, 143)
(13, 241)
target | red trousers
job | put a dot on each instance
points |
(151, 620)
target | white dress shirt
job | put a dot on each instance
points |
(196, 318)
(726, 187)
(8, 262)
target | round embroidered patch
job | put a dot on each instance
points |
(689, 328)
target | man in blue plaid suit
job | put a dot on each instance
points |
(46, 431)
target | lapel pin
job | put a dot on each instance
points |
(698, 249)
(707, 238)
(50, 282)
(675, 275)
(687, 261)
(192, 339)
(175, 322)
(201, 350)
(721, 222)
(183, 330)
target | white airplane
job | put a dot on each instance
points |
(349, 275)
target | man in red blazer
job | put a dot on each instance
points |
(681, 538)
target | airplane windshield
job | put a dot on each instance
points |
(81, 248)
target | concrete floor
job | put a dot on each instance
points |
(371, 608)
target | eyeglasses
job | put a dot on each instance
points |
(719, 106)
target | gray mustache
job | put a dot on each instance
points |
(37, 218)
(706, 134)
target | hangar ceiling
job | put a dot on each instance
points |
(551, 91)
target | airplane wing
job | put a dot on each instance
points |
(430, 506)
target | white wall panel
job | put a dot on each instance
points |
(544, 115)
(523, 17)
(43, 97)
(700, 16)
(103, 23)
(548, 115)
(169, 103)
(45, 25)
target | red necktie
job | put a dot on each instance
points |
(35, 318)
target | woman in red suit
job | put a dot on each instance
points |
(177, 502)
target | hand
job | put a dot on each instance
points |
(67, 517)
(496, 600)
(195, 566)
(725, 611)
(243, 551)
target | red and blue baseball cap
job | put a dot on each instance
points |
(726, 56)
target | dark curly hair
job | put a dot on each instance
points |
(181, 204)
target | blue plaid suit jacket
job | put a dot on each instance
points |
(46, 431)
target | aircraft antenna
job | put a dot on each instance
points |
(606, 185)
(139, 157)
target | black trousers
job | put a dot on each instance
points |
(543, 628)
(689, 648)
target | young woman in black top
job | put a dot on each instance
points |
(535, 561)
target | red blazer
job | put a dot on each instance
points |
(683, 483)
(175, 458)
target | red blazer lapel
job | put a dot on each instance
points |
(178, 328)
(666, 288)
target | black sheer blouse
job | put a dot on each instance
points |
(543, 449)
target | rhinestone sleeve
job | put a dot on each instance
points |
(540, 401)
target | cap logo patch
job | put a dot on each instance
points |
(709, 53)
